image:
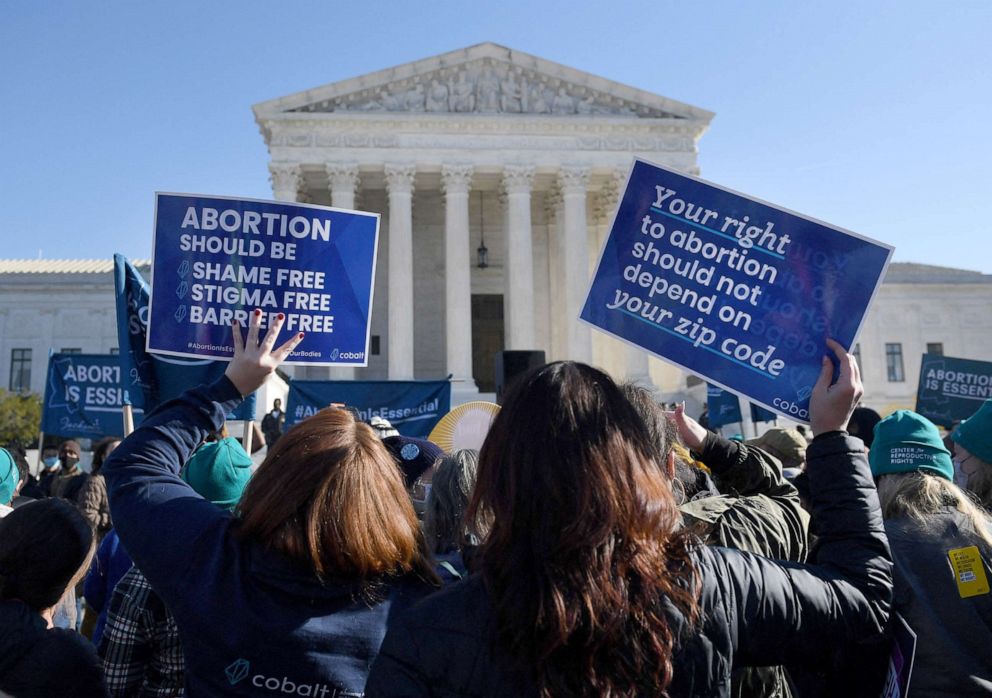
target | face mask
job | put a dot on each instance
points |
(960, 477)
(51, 461)
(69, 462)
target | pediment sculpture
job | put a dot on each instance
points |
(486, 87)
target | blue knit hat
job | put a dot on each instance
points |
(975, 433)
(9, 476)
(219, 471)
(906, 442)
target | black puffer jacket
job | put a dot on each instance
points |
(754, 611)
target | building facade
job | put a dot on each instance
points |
(495, 173)
(68, 305)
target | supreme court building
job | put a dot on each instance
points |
(496, 173)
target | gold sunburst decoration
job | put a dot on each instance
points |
(465, 426)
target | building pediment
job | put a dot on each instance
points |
(483, 79)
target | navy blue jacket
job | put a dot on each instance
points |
(252, 622)
(110, 563)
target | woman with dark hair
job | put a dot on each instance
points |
(444, 514)
(588, 585)
(292, 593)
(45, 549)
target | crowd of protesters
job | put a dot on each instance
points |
(597, 545)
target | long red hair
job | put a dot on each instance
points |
(330, 496)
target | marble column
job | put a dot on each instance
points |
(573, 180)
(636, 367)
(455, 183)
(399, 185)
(286, 179)
(556, 274)
(342, 178)
(519, 303)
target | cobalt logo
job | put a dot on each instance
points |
(334, 354)
(237, 670)
(352, 354)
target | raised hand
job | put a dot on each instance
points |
(692, 433)
(831, 406)
(253, 362)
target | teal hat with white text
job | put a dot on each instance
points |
(906, 442)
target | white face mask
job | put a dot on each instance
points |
(960, 477)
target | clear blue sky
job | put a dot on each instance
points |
(872, 116)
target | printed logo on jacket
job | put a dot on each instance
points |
(240, 669)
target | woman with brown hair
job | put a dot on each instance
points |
(587, 584)
(292, 593)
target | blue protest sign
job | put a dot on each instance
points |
(413, 407)
(737, 291)
(724, 407)
(217, 259)
(760, 414)
(83, 396)
(147, 379)
(952, 389)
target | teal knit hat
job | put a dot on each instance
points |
(975, 433)
(219, 471)
(9, 476)
(906, 442)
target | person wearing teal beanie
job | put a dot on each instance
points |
(906, 442)
(940, 541)
(219, 471)
(973, 453)
(9, 477)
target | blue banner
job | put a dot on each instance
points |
(413, 407)
(737, 291)
(952, 389)
(217, 259)
(147, 379)
(724, 407)
(83, 396)
(760, 414)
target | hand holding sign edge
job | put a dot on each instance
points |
(253, 362)
(831, 406)
(691, 432)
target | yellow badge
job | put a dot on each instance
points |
(969, 571)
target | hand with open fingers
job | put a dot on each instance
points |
(831, 406)
(692, 433)
(254, 361)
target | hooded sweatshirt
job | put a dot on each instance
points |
(35, 661)
(252, 622)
